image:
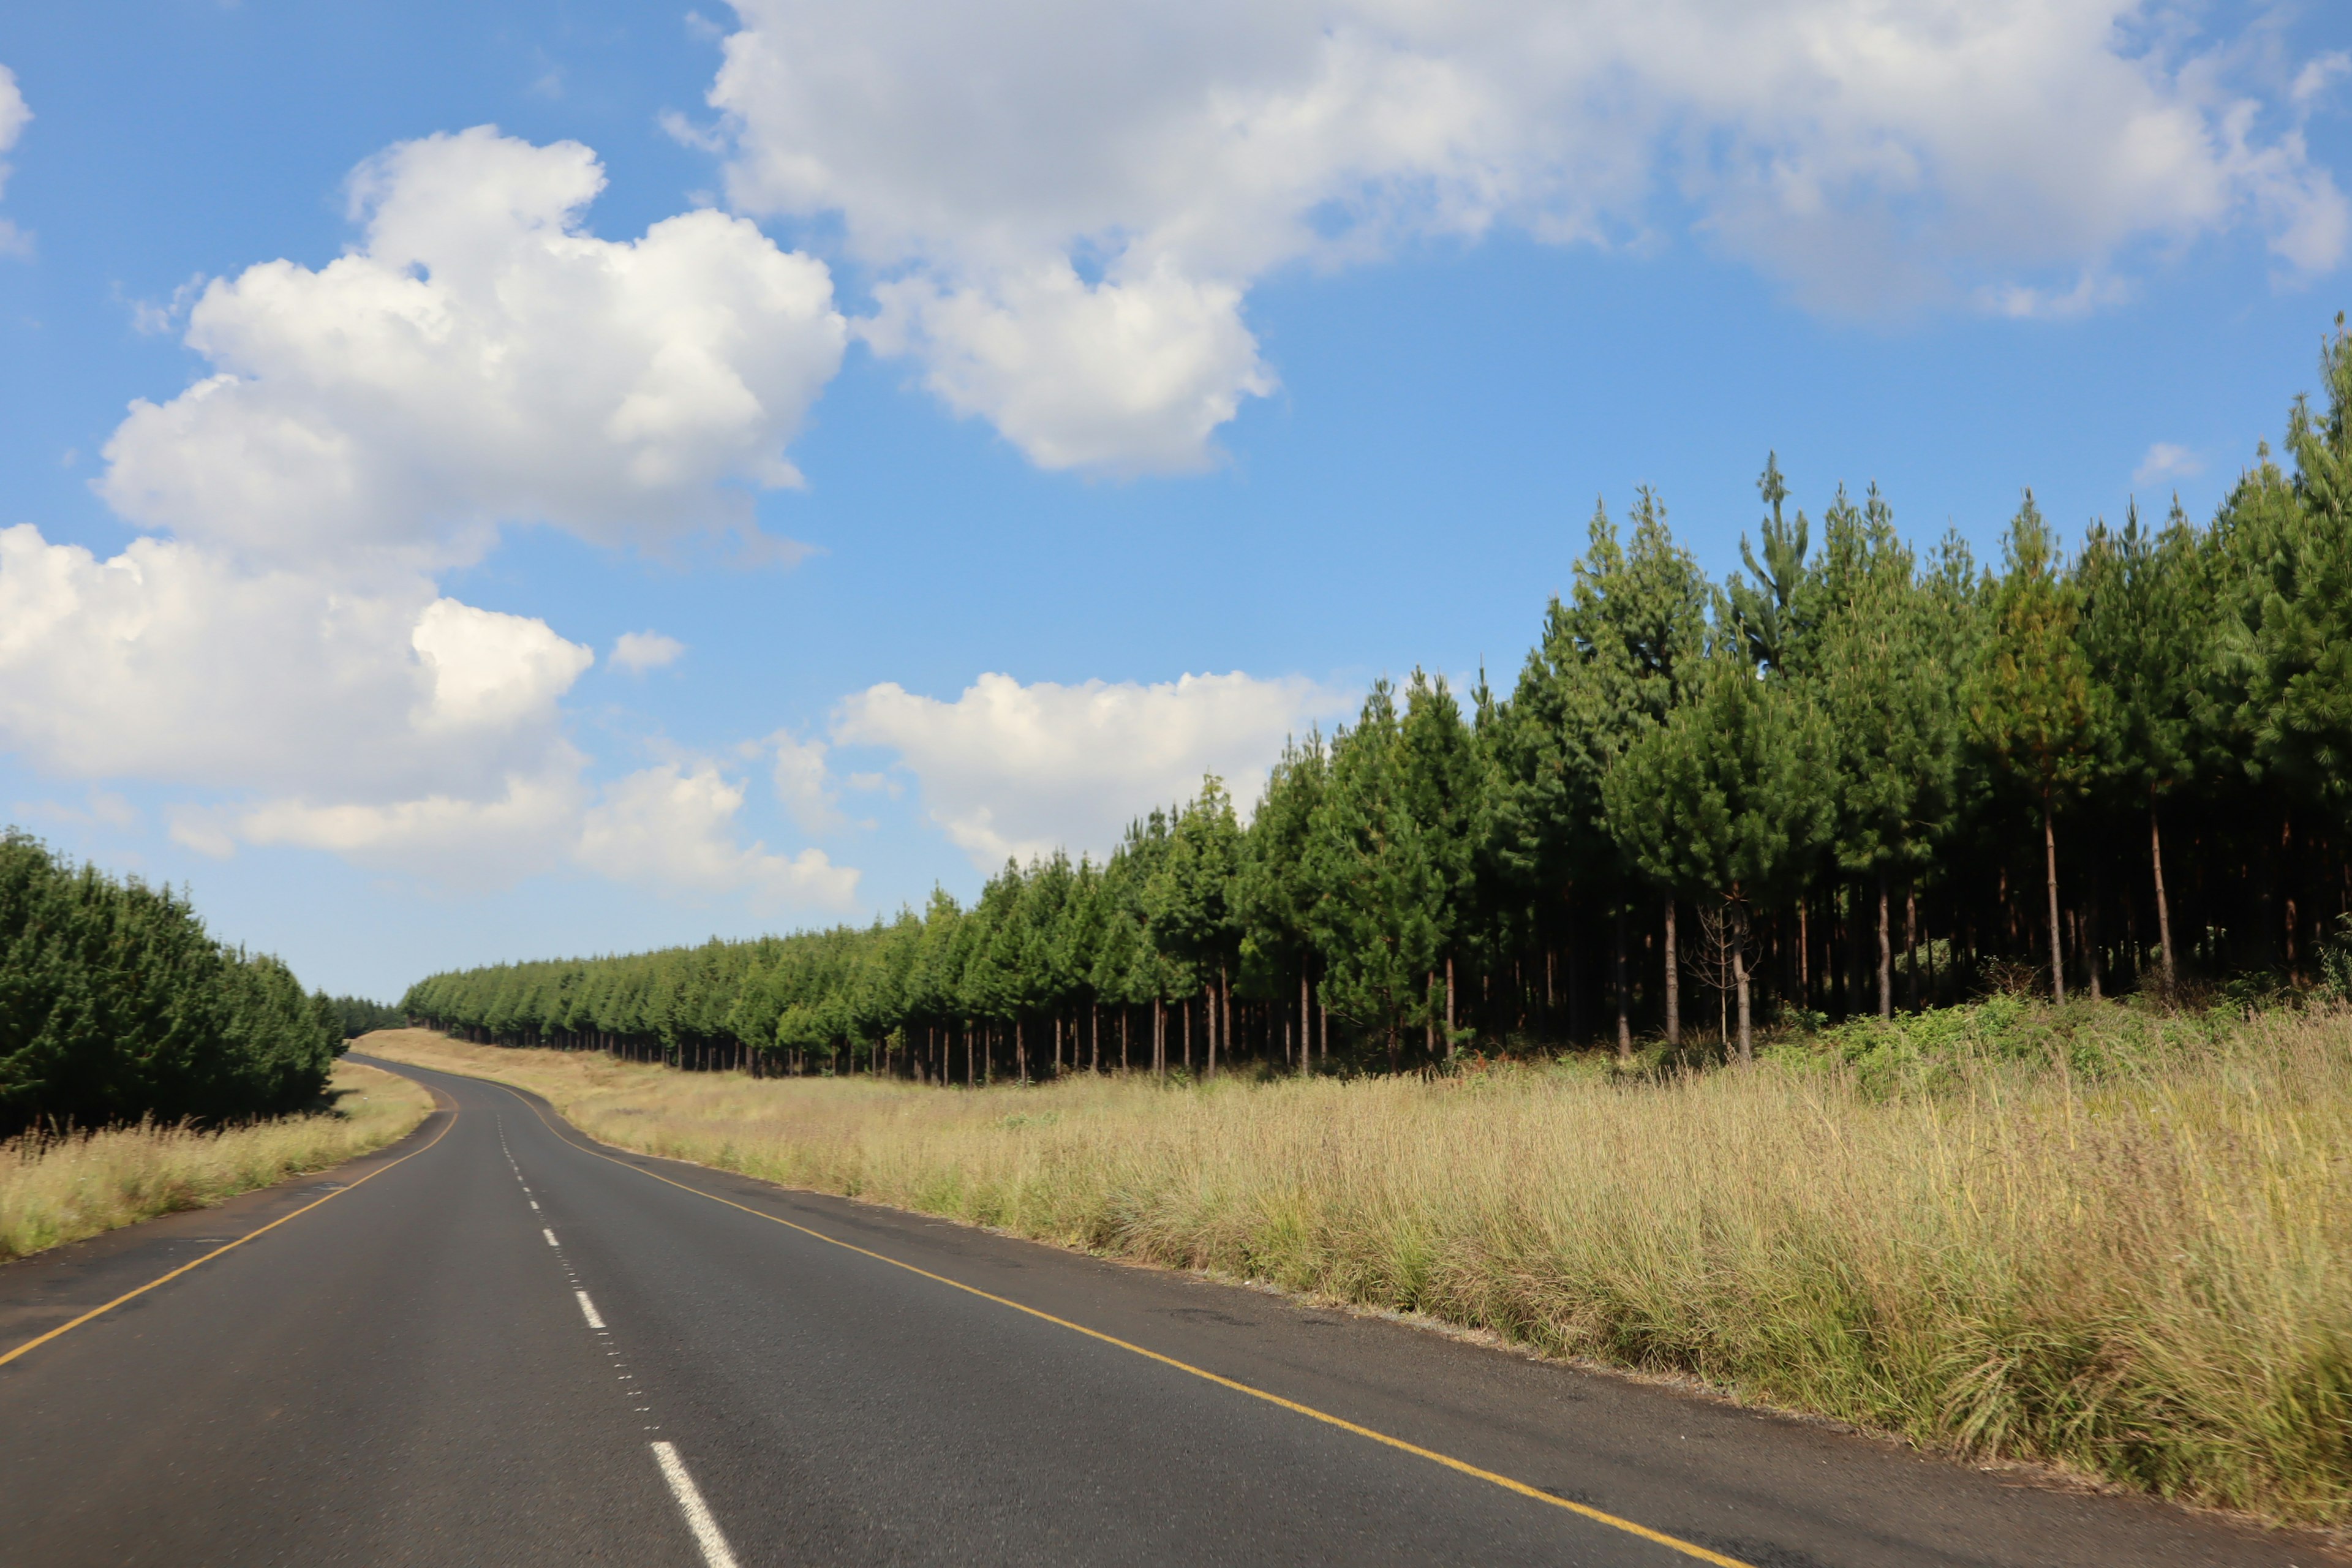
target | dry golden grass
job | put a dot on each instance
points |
(61, 1189)
(2147, 1276)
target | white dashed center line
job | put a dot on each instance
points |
(708, 1537)
(715, 1552)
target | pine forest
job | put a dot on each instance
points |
(115, 1006)
(1867, 773)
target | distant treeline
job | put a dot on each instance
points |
(1853, 778)
(355, 1016)
(115, 1004)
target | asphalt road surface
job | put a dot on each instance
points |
(498, 1344)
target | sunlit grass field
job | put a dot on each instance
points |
(63, 1188)
(2111, 1240)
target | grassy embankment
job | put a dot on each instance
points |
(55, 1190)
(2111, 1240)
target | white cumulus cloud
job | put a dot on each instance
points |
(1066, 205)
(804, 784)
(637, 652)
(279, 640)
(672, 827)
(14, 116)
(169, 662)
(479, 358)
(1018, 771)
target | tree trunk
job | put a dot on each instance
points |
(1449, 1007)
(2091, 948)
(1739, 977)
(2050, 866)
(1804, 957)
(1674, 980)
(1911, 938)
(1617, 963)
(1306, 1017)
(2163, 908)
(1223, 1032)
(1886, 949)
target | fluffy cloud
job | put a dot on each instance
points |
(671, 828)
(1015, 770)
(395, 728)
(637, 652)
(804, 785)
(1067, 203)
(170, 662)
(14, 115)
(479, 358)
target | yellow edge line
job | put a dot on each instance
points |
(39, 1341)
(1672, 1543)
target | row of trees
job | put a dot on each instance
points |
(355, 1016)
(115, 1004)
(1855, 776)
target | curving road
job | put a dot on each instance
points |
(498, 1344)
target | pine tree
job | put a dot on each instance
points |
(1890, 708)
(2147, 629)
(1727, 799)
(1443, 780)
(1376, 886)
(2031, 706)
(1273, 895)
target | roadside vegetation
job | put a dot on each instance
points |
(62, 1187)
(2107, 1237)
(1859, 778)
(117, 1006)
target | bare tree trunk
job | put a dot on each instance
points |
(2091, 948)
(2050, 864)
(1450, 1007)
(1305, 1016)
(1188, 1034)
(1804, 956)
(2163, 908)
(1911, 938)
(1739, 977)
(1624, 1018)
(1674, 980)
(1225, 1030)
(1885, 952)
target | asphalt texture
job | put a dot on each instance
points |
(408, 1373)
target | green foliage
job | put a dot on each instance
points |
(115, 1004)
(352, 1016)
(1857, 759)
(2031, 705)
(1376, 921)
(1728, 797)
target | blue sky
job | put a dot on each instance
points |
(1227, 357)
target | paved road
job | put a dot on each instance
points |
(495, 1344)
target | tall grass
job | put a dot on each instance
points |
(55, 1189)
(2129, 1252)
